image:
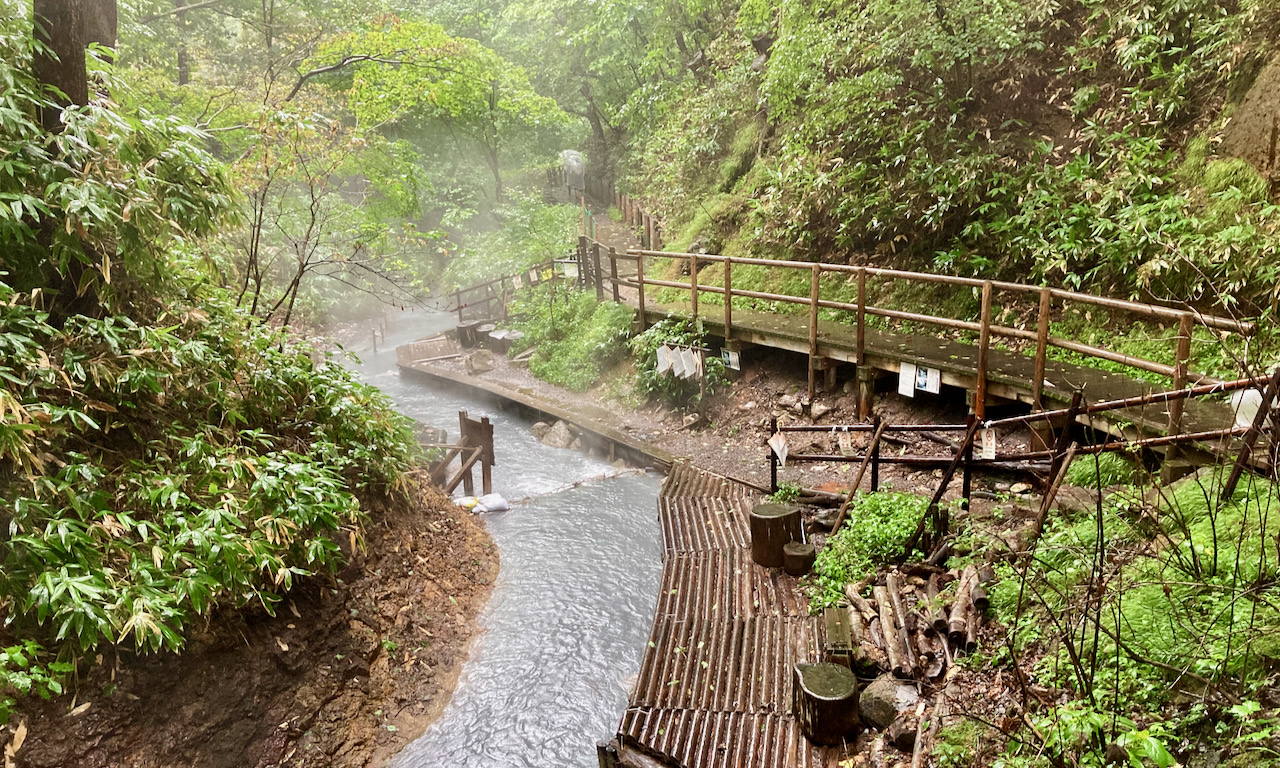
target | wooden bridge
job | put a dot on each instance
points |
(989, 374)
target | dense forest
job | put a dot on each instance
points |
(189, 189)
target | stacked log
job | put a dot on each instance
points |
(913, 627)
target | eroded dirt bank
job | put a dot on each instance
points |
(348, 671)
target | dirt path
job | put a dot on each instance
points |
(347, 672)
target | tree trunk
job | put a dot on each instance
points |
(100, 22)
(184, 60)
(59, 62)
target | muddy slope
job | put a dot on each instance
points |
(348, 671)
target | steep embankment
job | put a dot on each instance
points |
(1102, 145)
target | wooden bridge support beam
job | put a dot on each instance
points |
(866, 378)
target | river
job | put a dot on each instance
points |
(548, 674)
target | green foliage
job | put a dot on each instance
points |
(877, 527)
(156, 470)
(1101, 470)
(1078, 733)
(930, 140)
(957, 745)
(104, 204)
(577, 338)
(532, 232)
(22, 674)
(676, 392)
(787, 492)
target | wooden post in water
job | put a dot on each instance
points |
(486, 456)
(613, 273)
(984, 344)
(813, 329)
(1181, 358)
(728, 299)
(693, 285)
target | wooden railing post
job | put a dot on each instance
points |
(595, 267)
(813, 328)
(646, 237)
(582, 260)
(613, 273)
(984, 343)
(640, 284)
(728, 299)
(1181, 359)
(457, 301)
(693, 284)
(861, 350)
(1042, 432)
(486, 456)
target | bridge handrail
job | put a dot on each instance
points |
(1242, 327)
(1179, 372)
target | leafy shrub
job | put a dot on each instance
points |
(577, 337)
(21, 674)
(154, 471)
(877, 527)
(676, 392)
(786, 493)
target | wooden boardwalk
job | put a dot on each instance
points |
(714, 683)
(1009, 375)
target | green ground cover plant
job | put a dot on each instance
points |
(875, 531)
(576, 337)
(679, 393)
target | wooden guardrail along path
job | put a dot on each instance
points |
(990, 374)
(713, 687)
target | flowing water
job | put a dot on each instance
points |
(570, 613)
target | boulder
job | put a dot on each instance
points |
(788, 402)
(818, 410)
(884, 699)
(480, 361)
(559, 436)
(539, 430)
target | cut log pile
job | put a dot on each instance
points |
(918, 618)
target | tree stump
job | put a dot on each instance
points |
(773, 526)
(824, 700)
(798, 557)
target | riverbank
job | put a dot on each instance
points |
(346, 673)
